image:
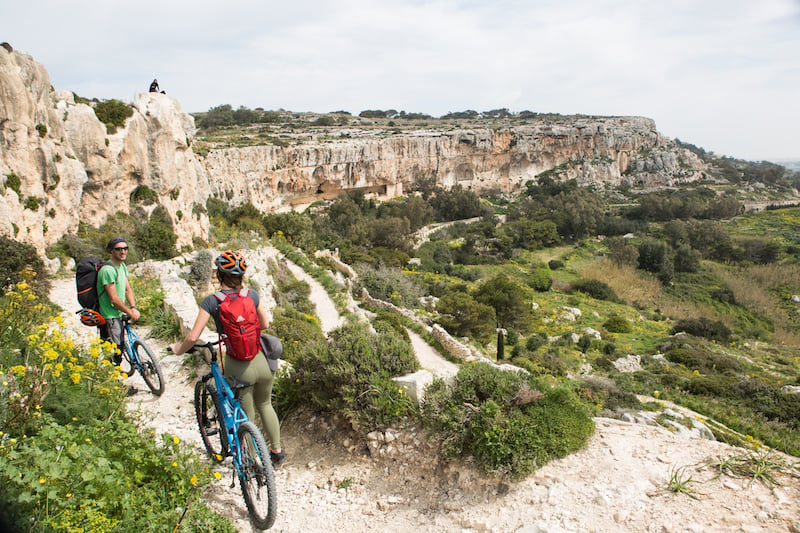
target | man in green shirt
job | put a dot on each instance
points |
(116, 295)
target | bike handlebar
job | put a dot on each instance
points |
(210, 346)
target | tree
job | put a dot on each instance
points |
(390, 232)
(463, 316)
(507, 298)
(456, 204)
(622, 252)
(577, 213)
(657, 257)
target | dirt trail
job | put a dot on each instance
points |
(330, 483)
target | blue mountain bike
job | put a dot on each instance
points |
(226, 431)
(138, 357)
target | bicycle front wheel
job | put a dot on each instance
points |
(150, 369)
(209, 419)
(257, 477)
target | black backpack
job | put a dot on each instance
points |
(86, 282)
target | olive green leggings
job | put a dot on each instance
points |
(257, 371)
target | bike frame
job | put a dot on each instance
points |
(232, 413)
(129, 338)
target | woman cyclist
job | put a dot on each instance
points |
(231, 267)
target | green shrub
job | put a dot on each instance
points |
(156, 238)
(596, 289)
(351, 374)
(551, 361)
(715, 386)
(724, 295)
(14, 183)
(533, 342)
(201, 268)
(389, 284)
(704, 327)
(585, 342)
(768, 399)
(113, 112)
(606, 393)
(32, 203)
(16, 256)
(144, 195)
(41, 129)
(71, 459)
(540, 278)
(507, 421)
(84, 467)
(617, 324)
(294, 329)
(697, 358)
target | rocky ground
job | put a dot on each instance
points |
(394, 481)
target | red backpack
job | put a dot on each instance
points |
(240, 324)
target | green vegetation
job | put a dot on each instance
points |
(71, 458)
(13, 182)
(113, 113)
(14, 258)
(351, 374)
(511, 423)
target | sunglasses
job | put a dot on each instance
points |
(121, 249)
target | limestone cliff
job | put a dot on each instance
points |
(59, 166)
(590, 150)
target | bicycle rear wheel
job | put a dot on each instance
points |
(257, 477)
(209, 419)
(151, 369)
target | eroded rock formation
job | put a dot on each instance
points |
(59, 165)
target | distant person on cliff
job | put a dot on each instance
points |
(254, 368)
(154, 88)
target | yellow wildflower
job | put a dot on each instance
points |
(193, 481)
(75, 377)
(217, 475)
(175, 439)
(18, 370)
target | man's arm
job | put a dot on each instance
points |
(116, 301)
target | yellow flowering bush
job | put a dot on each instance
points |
(38, 359)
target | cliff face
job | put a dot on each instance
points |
(59, 166)
(68, 169)
(590, 150)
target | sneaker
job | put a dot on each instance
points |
(132, 390)
(277, 458)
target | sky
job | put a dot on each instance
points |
(723, 75)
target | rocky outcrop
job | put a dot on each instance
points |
(590, 150)
(59, 165)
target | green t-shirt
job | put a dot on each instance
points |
(110, 273)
